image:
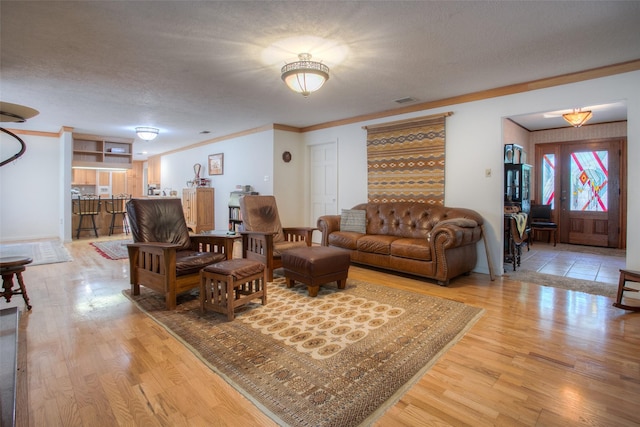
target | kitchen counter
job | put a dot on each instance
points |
(103, 221)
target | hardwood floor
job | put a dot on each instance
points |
(539, 356)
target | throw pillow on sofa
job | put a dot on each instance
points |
(353, 220)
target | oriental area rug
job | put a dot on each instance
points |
(112, 249)
(339, 359)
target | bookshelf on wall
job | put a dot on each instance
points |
(235, 216)
(92, 151)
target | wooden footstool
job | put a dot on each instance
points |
(10, 266)
(227, 285)
(316, 265)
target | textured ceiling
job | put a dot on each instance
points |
(104, 67)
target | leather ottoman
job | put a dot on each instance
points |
(316, 265)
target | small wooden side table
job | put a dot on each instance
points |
(627, 276)
(10, 266)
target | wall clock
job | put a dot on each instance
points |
(286, 156)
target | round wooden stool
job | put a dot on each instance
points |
(10, 266)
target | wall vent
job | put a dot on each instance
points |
(405, 100)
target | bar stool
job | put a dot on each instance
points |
(86, 206)
(627, 276)
(117, 206)
(14, 266)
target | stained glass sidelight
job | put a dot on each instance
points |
(548, 179)
(589, 179)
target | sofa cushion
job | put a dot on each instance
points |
(411, 248)
(377, 243)
(353, 220)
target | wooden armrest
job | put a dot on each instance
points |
(304, 233)
(298, 229)
(256, 233)
(209, 243)
(148, 245)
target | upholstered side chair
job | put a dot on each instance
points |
(263, 237)
(163, 256)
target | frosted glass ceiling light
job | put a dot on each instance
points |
(305, 76)
(147, 133)
(577, 118)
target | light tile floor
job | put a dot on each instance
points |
(578, 262)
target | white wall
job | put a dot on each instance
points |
(30, 189)
(290, 180)
(475, 142)
(247, 160)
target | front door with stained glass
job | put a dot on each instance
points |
(589, 193)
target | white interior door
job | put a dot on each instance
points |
(323, 160)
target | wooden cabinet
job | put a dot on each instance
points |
(153, 171)
(102, 151)
(134, 180)
(83, 177)
(517, 186)
(118, 183)
(104, 178)
(198, 206)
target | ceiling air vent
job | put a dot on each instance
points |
(405, 100)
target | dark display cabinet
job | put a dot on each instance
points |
(517, 186)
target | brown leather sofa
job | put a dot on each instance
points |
(429, 241)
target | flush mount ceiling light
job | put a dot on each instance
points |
(305, 76)
(147, 133)
(577, 118)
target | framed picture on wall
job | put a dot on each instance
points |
(216, 164)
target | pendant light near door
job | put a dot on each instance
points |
(577, 118)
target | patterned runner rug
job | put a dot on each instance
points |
(340, 359)
(112, 249)
(41, 251)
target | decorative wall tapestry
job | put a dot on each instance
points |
(405, 160)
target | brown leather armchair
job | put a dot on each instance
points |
(263, 237)
(164, 257)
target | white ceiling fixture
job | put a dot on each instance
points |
(305, 76)
(578, 117)
(147, 133)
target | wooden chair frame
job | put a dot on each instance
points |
(259, 246)
(627, 276)
(154, 265)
